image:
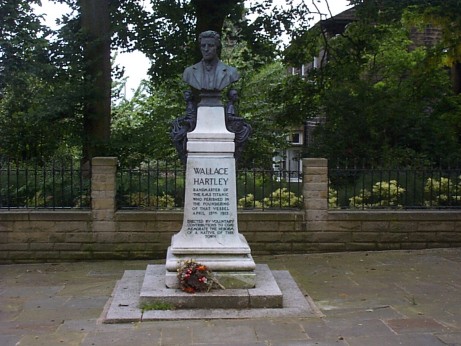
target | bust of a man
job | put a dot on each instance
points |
(210, 74)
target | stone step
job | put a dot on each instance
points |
(266, 293)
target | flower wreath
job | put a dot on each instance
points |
(195, 277)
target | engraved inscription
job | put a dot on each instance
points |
(210, 203)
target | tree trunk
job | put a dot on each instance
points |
(210, 15)
(456, 77)
(97, 104)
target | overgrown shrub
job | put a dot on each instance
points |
(283, 198)
(56, 185)
(383, 194)
(442, 192)
(249, 202)
(332, 198)
(145, 201)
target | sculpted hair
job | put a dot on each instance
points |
(211, 34)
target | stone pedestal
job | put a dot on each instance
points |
(209, 233)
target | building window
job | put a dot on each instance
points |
(296, 138)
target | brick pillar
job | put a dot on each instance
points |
(103, 191)
(315, 189)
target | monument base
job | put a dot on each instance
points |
(263, 301)
(231, 270)
(266, 294)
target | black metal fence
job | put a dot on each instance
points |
(151, 185)
(161, 185)
(50, 185)
(394, 188)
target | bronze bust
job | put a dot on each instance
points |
(209, 77)
(210, 74)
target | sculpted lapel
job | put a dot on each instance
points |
(224, 76)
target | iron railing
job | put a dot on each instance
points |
(394, 188)
(161, 185)
(151, 185)
(58, 184)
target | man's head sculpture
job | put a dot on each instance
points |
(209, 41)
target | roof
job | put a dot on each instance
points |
(336, 24)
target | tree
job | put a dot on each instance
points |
(259, 108)
(210, 15)
(141, 126)
(58, 83)
(383, 102)
(442, 14)
(26, 128)
(168, 35)
(95, 21)
(42, 74)
(149, 114)
(20, 36)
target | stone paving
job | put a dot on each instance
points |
(367, 298)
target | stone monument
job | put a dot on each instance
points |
(206, 139)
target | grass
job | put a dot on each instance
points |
(156, 306)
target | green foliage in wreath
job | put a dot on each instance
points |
(195, 277)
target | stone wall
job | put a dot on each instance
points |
(105, 233)
(44, 236)
(348, 230)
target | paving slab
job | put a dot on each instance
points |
(415, 325)
(55, 339)
(124, 306)
(131, 291)
(393, 340)
(9, 339)
(450, 339)
(365, 298)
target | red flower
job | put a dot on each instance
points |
(194, 277)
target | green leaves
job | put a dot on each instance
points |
(384, 95)
(141, 126)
